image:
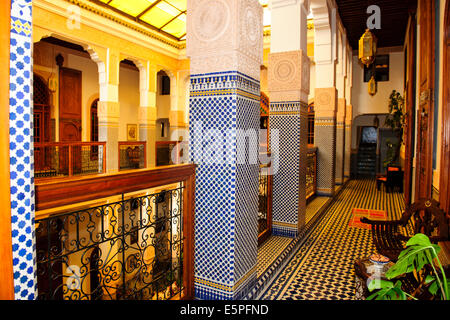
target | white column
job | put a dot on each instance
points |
(325, 95)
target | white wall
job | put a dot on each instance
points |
(362, 101)
(129, 100)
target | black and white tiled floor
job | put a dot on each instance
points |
(322, 268)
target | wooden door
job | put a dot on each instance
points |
(410, 104)
(425, 112)
(444, 188)
(70, 115)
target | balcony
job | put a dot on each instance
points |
(69, 159)
(118, 236)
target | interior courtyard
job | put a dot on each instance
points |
(224, 149)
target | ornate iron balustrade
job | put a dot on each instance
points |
(138, 247)
(311, 173)
(132, 155)
(67, 159)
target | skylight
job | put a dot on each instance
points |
(167, 16)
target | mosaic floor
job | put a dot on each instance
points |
(269, 251)
(322, 268)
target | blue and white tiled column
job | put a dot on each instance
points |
(340, 141)
(288, 80)
(288, 90)
(325, 105)
(21, 150)
(224, 43)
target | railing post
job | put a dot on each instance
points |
(188, 234)
(70, 161)
(145, 154)
(104, 157)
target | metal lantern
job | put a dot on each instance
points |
(367, 48)
(372, 86)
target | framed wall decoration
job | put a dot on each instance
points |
(131, 132)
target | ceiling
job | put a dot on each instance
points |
(165, 16)
(394, 20)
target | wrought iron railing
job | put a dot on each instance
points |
(136, 247)
(311, 172)
(132, 155)
(67, 159)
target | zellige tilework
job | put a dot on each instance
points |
(21, 150)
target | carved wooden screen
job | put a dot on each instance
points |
(425, 114)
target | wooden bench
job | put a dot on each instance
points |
(425, 217)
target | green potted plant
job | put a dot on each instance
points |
(419, 253)
(395, 120)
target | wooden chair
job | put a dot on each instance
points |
(425, 217)
(392, 179)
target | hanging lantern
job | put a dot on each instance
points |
(372, 86)
(367, 48)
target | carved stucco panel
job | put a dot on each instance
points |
(224, 35)
(289, 72)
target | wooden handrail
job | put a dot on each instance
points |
(59, 192)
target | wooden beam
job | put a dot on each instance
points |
(6, 266)
(147, 9)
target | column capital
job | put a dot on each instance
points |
(225, 35)
(147, 115)
(289, 76)
(325, 102)
(108, 112)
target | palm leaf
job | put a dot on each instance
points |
(419, 252)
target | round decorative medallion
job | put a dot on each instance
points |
(211, 19)
(285, 70)
(251, 23)
(324, 99)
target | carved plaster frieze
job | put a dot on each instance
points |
(231, 61)
(108, 111)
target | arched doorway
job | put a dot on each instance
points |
(41, 123)
(94, 128)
